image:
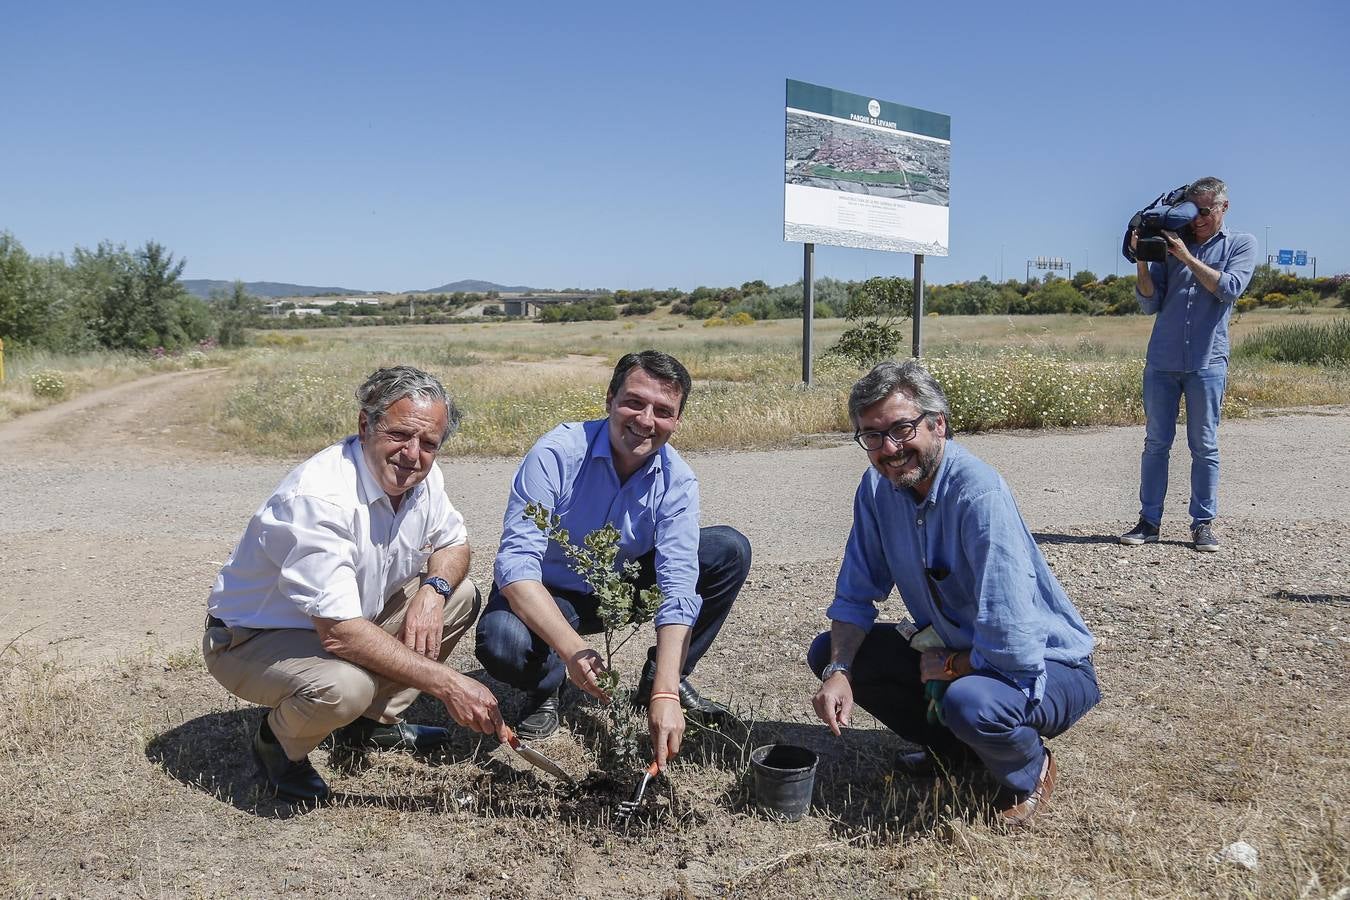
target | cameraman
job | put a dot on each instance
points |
(1192, 291)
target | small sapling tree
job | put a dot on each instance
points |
(623, 610)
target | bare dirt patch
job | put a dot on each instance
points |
(126, 772)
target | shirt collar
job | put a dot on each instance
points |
(949, 449)
(369, 488)
(1221, 233)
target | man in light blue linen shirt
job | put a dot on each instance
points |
(1192, 292)
(935, 523)
(622, 471)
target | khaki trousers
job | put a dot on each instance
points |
(312, 692)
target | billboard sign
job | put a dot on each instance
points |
(1286, 257)
(1300, 257)
(863, 172)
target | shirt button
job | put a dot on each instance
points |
(919, 521)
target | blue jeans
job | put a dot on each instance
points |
(510, 652)
(1163, 391)
(986, 715)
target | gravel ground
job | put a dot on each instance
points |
(1225, 716)
(114, 524)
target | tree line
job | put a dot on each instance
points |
(110, 298)
(114, 298)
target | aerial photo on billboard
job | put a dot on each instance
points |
(862, 172)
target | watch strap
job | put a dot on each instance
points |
(440, 586)
(835, 668)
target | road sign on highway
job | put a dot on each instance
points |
(1286, 257)
(1300, 257)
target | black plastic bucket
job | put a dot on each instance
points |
(783, 778)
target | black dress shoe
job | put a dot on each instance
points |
(690, 699)
(540, 720)
(293, 780)
(694, 702)
(367, 734)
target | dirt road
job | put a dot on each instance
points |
(114, 523)
(1226, 711)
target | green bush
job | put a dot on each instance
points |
(1301, 342)
(48, 384)
(876, 308)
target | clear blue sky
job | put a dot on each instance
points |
(401, 146)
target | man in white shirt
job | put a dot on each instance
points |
(348, 591)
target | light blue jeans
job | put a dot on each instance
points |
(1163, 391)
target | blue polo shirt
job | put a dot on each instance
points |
(570, 471)
(991, 590)
(1191, 331)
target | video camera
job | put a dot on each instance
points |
(1170, 212)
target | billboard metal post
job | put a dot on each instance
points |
(808, 307)
(918, 305)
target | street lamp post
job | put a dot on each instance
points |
(1267, 245)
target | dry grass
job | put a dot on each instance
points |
(81, 373)
(1224, 719)
(291, 393)
(517, 380)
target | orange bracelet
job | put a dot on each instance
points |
(665, 695)
(948, 667)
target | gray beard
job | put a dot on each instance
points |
(927, 465)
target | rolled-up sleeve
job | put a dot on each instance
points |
(1158, 275)
(538, 480)
(1238, 268)
(865, 578)
(677, 536)
(311, 543)
(1009, 633)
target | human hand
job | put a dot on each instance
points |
(834, 702)
(424, 623)
(584, 668)
(1176, 246)
(665, 725)
(472, 705)
(933, 665)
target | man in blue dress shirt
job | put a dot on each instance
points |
(619, 470)
(1192, 292)
(935, 523)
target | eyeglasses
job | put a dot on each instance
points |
(898, 432)
(1206, 210)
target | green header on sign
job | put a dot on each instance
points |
(857, 108)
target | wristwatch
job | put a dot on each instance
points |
(440, 586)
(833, 669)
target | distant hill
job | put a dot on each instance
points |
(472, 286)
(202, 287)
